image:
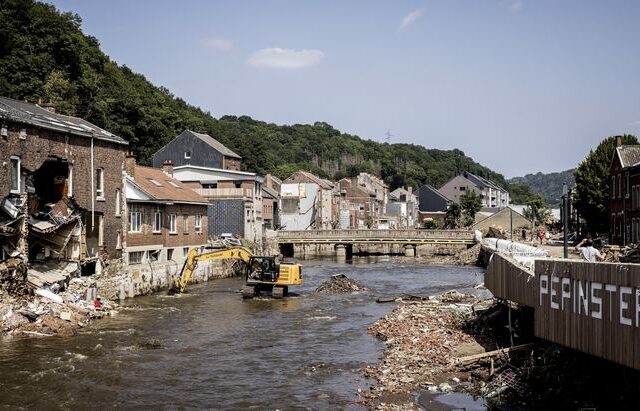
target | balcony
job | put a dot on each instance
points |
(221, 193)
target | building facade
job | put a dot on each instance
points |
(491, 195)
(306, 202)
(67, 175)
(624, 194)
(197, 149)
(234, 197)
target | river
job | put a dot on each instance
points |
(221, 352)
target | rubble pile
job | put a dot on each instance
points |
(496, 232)
(423, 340)
(468, 257)
(340, 284)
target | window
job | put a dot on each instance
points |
(100, 183)
(185, 251)
(174, 184)
(154, 182)
(154, 255)
(118, 205)
(463, 188)
(187, 154)
(172, 224)
(238, 184)
(136, 257)
(15, 174)
(169, 254)
(185, 224)
(135, 220)
(119, 241)
(70, 181)
(626, 185)
(197, 223)
(619, 187)
(157, 221)
(613, 187)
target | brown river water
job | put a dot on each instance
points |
(220, 352)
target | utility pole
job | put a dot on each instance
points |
(565, 218)
(389, 135)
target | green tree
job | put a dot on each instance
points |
(592, 184)
(537, 207)
(470, 203)
(453, 216)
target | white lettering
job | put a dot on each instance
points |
(544, 286)
(596, 300)
(624, 305)
(565, 291)
(583, 303)
(611, 288)
(554, 280)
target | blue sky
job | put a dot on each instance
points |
(519, 85)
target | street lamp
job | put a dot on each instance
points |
(565, 219)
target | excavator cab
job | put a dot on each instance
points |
(262, 269)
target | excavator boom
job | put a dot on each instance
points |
(196, 255)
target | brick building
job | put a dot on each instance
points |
(624, 190)
(69, 171)
(165, 217)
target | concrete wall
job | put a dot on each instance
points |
(120, 281)
(304, 215)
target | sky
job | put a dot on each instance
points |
(520, 86)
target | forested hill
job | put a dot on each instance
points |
(548, 185)
(44, 54)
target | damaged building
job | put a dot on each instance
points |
(61, 190)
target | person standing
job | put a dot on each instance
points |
(588, 251)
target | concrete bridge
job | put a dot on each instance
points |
(590, 307)
(347, 242)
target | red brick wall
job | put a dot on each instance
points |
(41, 144)
(148, 237)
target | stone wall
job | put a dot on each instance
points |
(119, 281)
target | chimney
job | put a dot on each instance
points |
(618, 141)
(167, 168)
(130, 164)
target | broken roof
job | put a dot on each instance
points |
(305, 176)
(161, 187)
(629, 155)
(34, 115)
(213, 143)
(270, 192)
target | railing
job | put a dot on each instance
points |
(210, 193)
(465, 235)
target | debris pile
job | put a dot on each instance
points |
(422, 340)
(496, 232)
(340, 284)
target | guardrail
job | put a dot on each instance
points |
(375, 235)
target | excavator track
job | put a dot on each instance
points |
(248, 291)
(278, 292)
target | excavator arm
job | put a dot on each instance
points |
(196, 255)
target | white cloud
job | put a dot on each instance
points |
(219, 43)
(516, 5)
(278, 58)
(410, 18)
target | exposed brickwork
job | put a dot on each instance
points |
(164, 237)
(41, 144)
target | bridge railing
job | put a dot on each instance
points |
(380, 234)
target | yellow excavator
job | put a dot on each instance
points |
(261, 273)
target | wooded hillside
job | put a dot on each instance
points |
(45, 55)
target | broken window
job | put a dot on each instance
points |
(169, 254)
(157, 221)
(173, 229)
(70, 181)
(15, 174)
(198, 223)
(153, 255)
(135, 220)
(100, 183)
(185, 251)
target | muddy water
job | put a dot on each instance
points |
(219, 351)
